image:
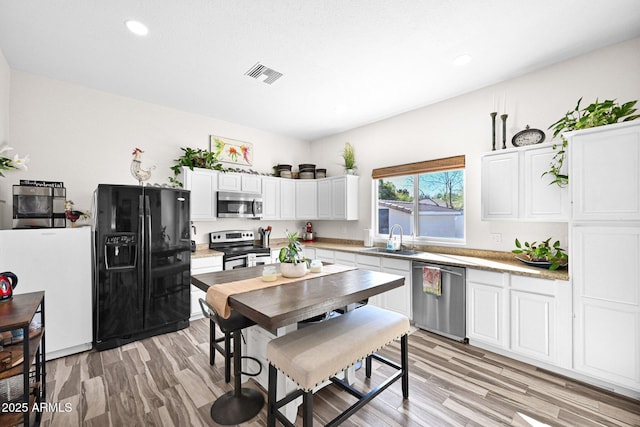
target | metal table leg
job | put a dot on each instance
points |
(241, 404)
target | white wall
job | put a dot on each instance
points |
(462, 126)
(84, 137)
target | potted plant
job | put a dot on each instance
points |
(195, 158)
(596, 114)
(544, 252)
(349, 157)
(292, 261)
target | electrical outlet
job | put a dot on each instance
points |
(496, 237)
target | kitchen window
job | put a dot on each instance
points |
(425, 198)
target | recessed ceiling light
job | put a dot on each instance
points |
(462, 60)
(137, 27)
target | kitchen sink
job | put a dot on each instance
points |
(392, 252)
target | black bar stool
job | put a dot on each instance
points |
(241, 404)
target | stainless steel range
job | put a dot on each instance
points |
(239, 249)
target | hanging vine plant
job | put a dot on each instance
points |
(596, 114)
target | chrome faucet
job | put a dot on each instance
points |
(390, 242)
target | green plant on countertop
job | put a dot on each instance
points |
(349, 157)
(292, 253)
(195, 158)
(543, 252)
(596, 114)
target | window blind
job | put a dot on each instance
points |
(437, 165)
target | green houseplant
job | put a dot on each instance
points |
(349, 157)
(195, 158)
(596, 114)
(543, 252)
(292, 260)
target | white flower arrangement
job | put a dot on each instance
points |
(7, 163)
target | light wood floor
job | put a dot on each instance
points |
(167, 381)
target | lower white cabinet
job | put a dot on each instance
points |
(607, 302)
(398, 299)
(199, 266)
(58, 262)
(522, 315)
(486, 301)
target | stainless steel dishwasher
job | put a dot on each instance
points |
(443, 314)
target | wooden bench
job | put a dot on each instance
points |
(319, 352)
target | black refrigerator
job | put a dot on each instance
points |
(142, 258)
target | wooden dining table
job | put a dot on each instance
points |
(281, 305)
(310, 296)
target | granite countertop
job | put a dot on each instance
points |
(504, 262)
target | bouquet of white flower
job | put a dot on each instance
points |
(7, 163)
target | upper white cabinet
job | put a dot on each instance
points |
(270, 198)
(542, 200)
(231, 181)
(203, 184)
(605, 172)
(500, 186)
(513, 186)
(338, 197)
(306, 199)
(287, 198)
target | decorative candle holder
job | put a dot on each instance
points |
(504, 130)
(493, 130)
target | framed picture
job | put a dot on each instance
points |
(231, 150)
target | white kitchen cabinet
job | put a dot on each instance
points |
(542, 200)
(500, 186)
(540, 319)
(325, 255)
(309, 253)
(398, 299)
(338, 197)
(232, 181)
(487, 319)
(513, 186)
(203, 184)
(306, 199)
(607, 302)
(229, 181)
(345, 258)
(605, 172)
(270, 198)
(250, 183)
(58, 262)
(202, 265)
(287, 198)
(369, 262)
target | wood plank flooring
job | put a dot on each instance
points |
(167, 381)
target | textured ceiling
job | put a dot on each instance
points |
(345, 63)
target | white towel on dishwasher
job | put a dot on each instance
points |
(431, 282)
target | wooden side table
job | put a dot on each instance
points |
(27, 359)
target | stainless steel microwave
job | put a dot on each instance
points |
(38, 207)
(239, 205)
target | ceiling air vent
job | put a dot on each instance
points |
(259, 70)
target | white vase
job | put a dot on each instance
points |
(289, 269)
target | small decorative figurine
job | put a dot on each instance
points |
(136, 167)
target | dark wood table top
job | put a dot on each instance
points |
(282, 305)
